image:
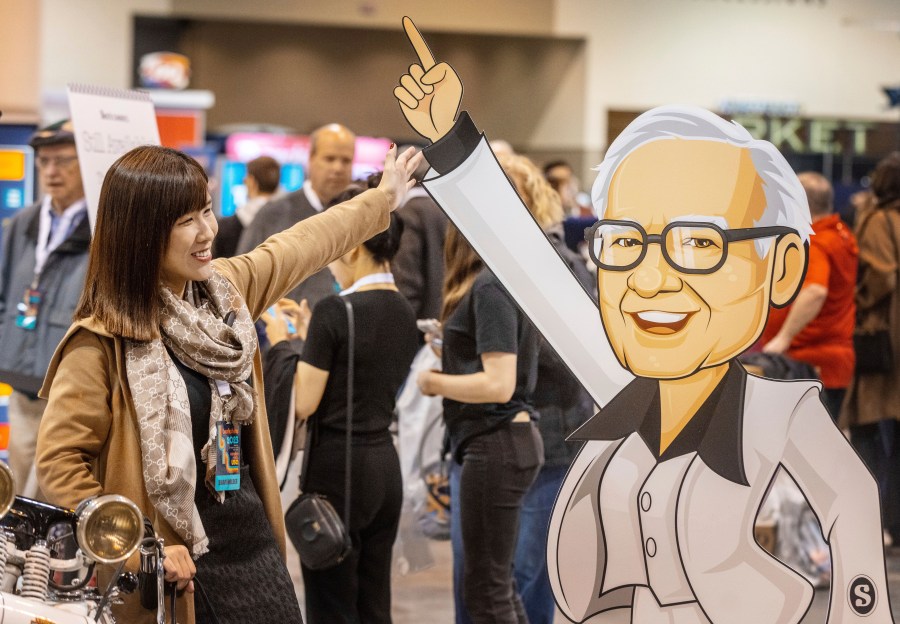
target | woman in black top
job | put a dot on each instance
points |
(559, 398)
(489, 362)
(358, 589)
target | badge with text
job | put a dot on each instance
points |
(28, 309)
(228, 456)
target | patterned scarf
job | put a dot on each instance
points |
(194, 329)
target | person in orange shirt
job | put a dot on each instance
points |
(818, 327)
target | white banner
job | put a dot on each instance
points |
(108, 123)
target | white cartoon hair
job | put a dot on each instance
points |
(786, 202)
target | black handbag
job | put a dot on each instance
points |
(313, 526)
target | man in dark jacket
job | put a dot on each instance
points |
(42, 268)
(329, 171)
(418, 266)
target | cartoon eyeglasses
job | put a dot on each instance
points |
(687, 246)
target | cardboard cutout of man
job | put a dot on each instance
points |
(702, 228)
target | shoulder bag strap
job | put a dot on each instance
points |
(307, 448)
(351, 340)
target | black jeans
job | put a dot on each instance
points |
(833, 398)
(497, 470)
(358, 590)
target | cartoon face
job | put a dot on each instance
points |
(668, 323)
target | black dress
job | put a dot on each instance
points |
(244, 573)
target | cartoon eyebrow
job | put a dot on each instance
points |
(713, 220)
(614, 228)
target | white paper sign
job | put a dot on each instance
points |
(108, 123)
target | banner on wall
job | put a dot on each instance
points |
(108, 123)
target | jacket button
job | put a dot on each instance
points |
(651, 547)
(645, 501)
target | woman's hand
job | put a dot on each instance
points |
(276, 325)
(287, 319)
(427, 382)
(179, 567)
(398, 172)
(298, 314)
(434, 335)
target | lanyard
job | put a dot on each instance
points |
(371, 278)
(51, 235)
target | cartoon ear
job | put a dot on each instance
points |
(790, 259)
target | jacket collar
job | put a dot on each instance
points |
(714, 432)
(34, 225)
(78, 241)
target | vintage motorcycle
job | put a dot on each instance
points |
(48, 555)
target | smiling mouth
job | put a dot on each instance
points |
(659, 322)
(206, 254)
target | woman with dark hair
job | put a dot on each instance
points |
(489, 361)
(161, 367)
(359, 588)
(871, 408)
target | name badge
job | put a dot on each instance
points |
(228, 456)
(28, 309)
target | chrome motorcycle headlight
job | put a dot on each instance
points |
(110, 528)
(7, 488)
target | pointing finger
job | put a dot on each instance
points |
(405, 97)
(418, 43)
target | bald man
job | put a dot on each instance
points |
(331, 151)
(818, 327)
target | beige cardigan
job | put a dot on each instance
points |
(89, 443)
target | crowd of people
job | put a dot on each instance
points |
(177, 313)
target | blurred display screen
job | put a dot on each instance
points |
(16, 178)
(233, 192)
(292, 150)
(12, 165)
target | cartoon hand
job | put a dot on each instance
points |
(430, 93)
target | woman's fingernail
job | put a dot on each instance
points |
(392, 146)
